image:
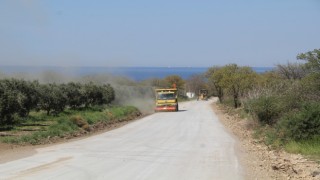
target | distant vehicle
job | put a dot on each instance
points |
(166, 100)
(203, 94)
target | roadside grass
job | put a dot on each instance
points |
(309, 148)
(39, 128)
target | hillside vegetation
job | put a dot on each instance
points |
(285, 102)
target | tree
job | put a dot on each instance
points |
(108, 94)
(312, 58)
(31, 92)
(214, 81)
(17, 97)
(97, 94)
(312, 81)
(175, 79)
(292, 71)
(236, 80)
(52, 98)
(195, 83)
(10, 102)
(75, 94)
(268, 79)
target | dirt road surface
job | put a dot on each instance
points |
(189, 144)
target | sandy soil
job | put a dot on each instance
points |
(261, 161)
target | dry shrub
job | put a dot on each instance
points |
(80, 122)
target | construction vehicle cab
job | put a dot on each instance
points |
(203, 94)
(166, 100)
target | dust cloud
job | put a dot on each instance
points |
(141, 97)
(127, 91)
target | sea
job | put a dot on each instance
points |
(134, 73)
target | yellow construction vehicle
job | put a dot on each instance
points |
(203, 94)
(166, 100)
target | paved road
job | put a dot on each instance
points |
(189, 144)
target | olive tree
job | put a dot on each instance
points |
(75, 94)
(52, 98)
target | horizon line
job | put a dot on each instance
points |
(56, 66)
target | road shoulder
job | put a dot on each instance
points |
(260, 161)
(11, 152)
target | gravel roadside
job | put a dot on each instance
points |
(261, 161)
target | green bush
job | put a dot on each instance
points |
(266, 108)
(303, 124)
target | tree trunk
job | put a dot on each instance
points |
(220, 94)
(235, 99)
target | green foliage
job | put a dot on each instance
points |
(271, 138)
(303, 124)
(9, 106)
(214, 80)
(311, 87)
(60, 129)
(108, 94)
(310, 147)
(75, 94)
(98, 95)
(19, 97)
(284, 102)
(53, 99)
(235, 80)
(67, 123)
(312, 58)
(119, 112)
(265, 108)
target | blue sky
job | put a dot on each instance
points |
(196, 33)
